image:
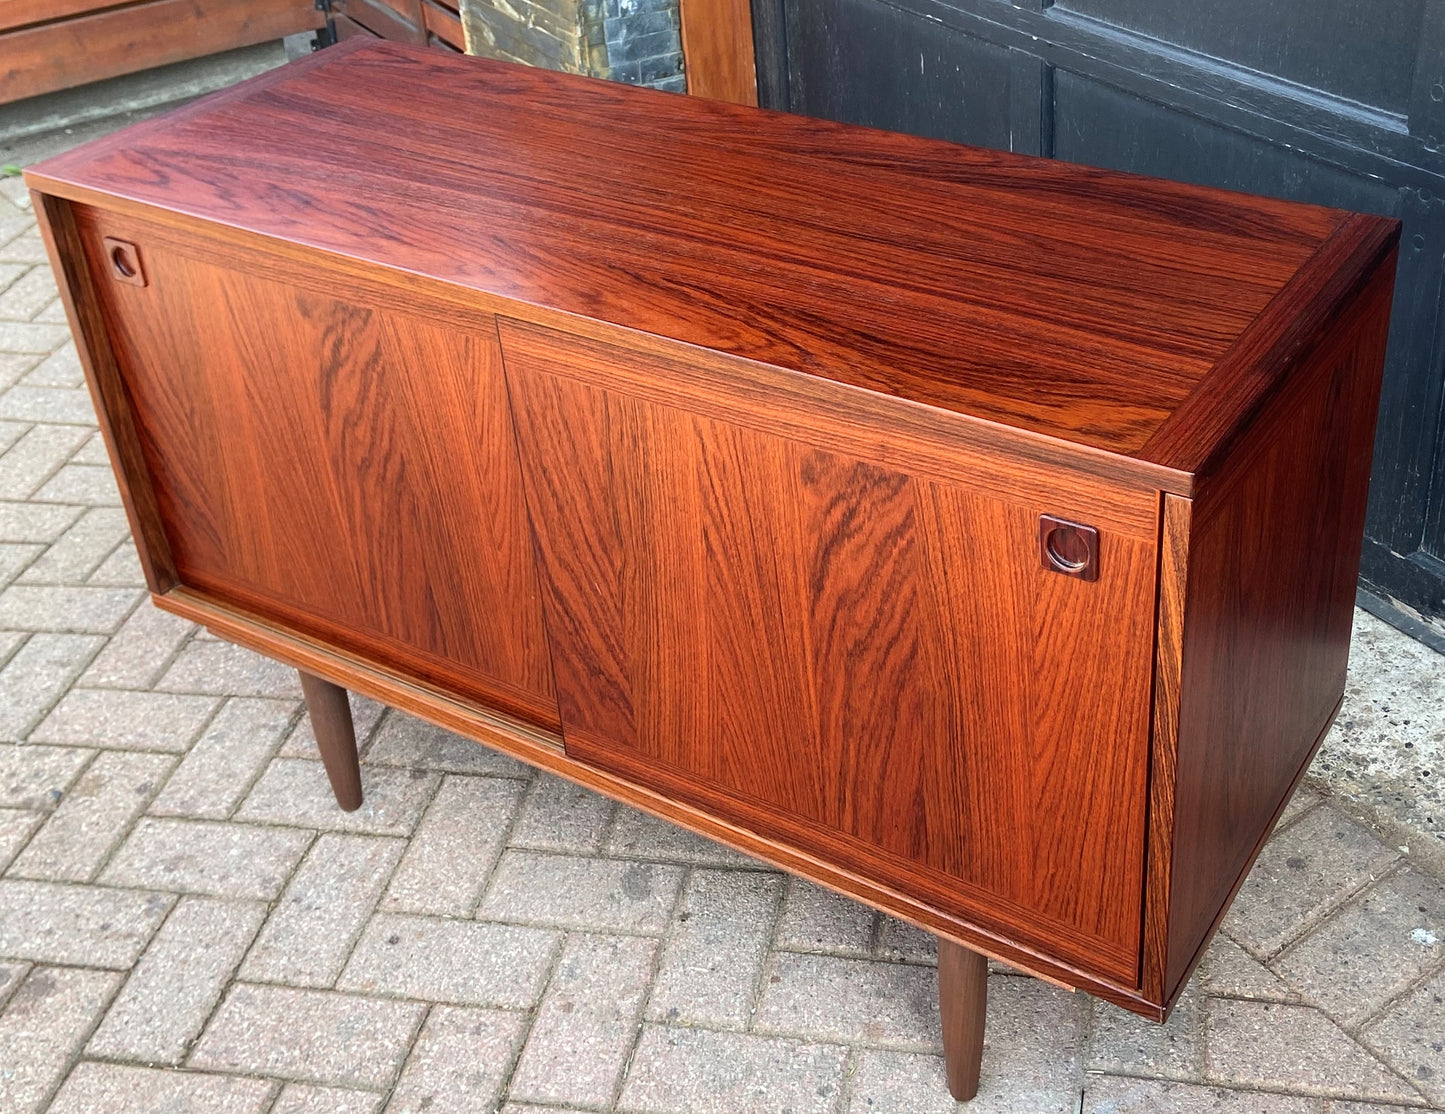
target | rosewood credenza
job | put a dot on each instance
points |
(971, 533)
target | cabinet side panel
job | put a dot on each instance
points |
(1274, 552)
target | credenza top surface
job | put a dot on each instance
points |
(1105, 309)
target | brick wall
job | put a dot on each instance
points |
(636, 41)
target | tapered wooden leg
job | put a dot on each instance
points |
(335, 738)
(962, 1003)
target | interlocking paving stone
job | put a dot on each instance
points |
(1126, 1043)
(16, 826)
(560, 816)
(900, 1083)
(93, 1088)
(93, 451)
(93, 816)
(365, 714)
(310, 932)
(15, 558)
(28, 295)
(453, 848)
(35, 522)
(296, 791)
(459, 1063)
(404, 740)
(60, 369)
(35, 777)
(1300, 875)
(815, 919)
(127, 720)
(24, 336)
(46, 1020)
(87, 484)
(698, 1071)
(1229, 970)
(312, 1036)
(220, 767)
(12, 973)
(224, 669)
(710, 966)
(460, 962)
(31, 460)
(598, 894)
(47, 404)
(826, 998)
(1372, 949)
(1114, 1095)
(905, 943)
(65, 608)
(25, 248)
(585, 1027)
(198, 856)
(81, 549)
(1293, 1048)
(36, 675)
(121, 569)
(302, 1098)
(638, 834)
(137, 653)
(10, 432)
(1410, 1035)
(529, 1108)
(178, 981)
(53, 923)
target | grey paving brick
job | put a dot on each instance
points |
(587, 1023)
(698, 1071)
(36, 777)
(1293, 1048)
(900, 1083)
(121, 1089)
(12, 974)
(81, 549)
(137, 653)
(59, 369)
(1129, 1045)
(25, 248)
(198, 856)
(121, 569)
(53, 923)
(560, 816)
(310, 933)
(711, 964)
(302, 1098)
(1410, 1035)
(10, 432)
(13, 366)
(296, 791)
(404, 740)
(93, 816)
(210, 666)
(68, 608)
(313, 1036)
(93, 451)
(10, 641)
(45, 1022)
(90, 485)
(35, 522)
(637, 834)
(365, 715)
(61, 405)
(160, 721)
(453, 848)
(1300, 875)
(902, 942)
(827, 998)
(34, 457)
(22, 336)
(225, 761)
(460, 962)
(1372, 949)
(36, 675)
(16, 826)
(53, 313)
(15, 558)
(531, 1108)
(571, 892)
(178, 981)
(1113, 1095)
(28, 295)
(459, 1062)
(1229, 970)
(818, 920)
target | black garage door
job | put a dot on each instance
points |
(1340, 102)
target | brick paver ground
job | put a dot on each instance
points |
(189, 924)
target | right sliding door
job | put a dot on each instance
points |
(768, 611)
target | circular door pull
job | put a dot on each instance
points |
(1068, 547)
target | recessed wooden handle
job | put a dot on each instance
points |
(124, 261)
(1068, 547)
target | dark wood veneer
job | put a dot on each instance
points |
(723, 487)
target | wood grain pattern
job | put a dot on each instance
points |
(83, 47)
(1071, 302)
(1269, 604)
(717, 46)
(792, 627)
(335, 463)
